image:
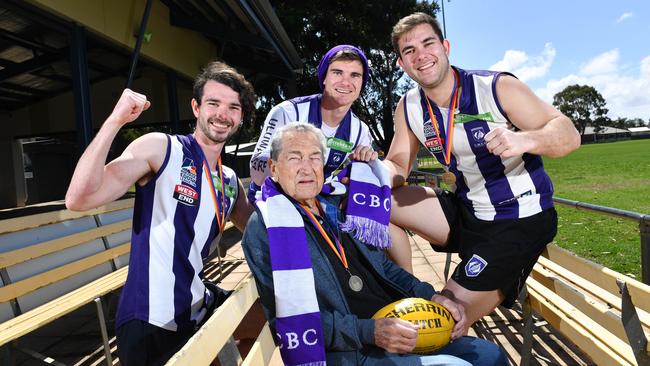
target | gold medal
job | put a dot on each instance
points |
(449, 178)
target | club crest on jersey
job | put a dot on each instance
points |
(188, 172)
(186, 195)
(478, 133)
(475, 266)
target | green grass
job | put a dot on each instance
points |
(611, 174)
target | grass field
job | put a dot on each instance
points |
(613, 174)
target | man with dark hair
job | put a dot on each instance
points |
(342, 74)
(489, 131)
(184, 196)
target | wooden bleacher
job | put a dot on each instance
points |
(576, 321)
(57, 262)
(605, 313)
(551, 345)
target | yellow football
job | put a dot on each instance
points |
(434, 320)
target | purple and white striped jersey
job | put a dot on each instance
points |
(174, 228)
(492, 187)
(305, 109)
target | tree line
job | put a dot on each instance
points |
(585, 106)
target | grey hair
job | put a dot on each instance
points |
(296, 127)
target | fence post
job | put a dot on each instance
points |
(644, 232)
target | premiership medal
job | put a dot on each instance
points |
(355, 283)
(220, 214)
(448, 177)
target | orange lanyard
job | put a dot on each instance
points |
(340, 252)
(221, 221)
(450, 120)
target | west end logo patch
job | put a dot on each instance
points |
(188, 172)
(475, 266)
(433, 144)
(186, 195)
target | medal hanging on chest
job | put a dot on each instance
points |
(219, 213)
(448, 177)
(354, 282)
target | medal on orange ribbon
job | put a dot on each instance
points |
(448, 177)
(354, 282)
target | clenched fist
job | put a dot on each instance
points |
(506, 143)
(129, 107)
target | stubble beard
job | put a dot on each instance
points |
(216, 138)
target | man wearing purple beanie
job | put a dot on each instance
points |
(342, 74)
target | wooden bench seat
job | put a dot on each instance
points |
(45, 256)
(48, 312)
(217, 333)
(605, 313)
(39, 241)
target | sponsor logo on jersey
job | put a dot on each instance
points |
(186, 195)
(475, 266)
(188, 172)
(433, 144)
(464, 118)
(340, 145)
(230, 190)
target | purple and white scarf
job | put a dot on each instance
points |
(298, 324)
(368, 208)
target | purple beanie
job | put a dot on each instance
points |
(325, 63)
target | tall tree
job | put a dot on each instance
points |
(316, 26)
(584, 105)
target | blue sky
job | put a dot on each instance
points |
(550, 44)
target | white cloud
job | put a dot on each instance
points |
(625, 92)
(604, 63)
(527, 67)
(624, 16)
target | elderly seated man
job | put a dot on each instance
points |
(320, 286)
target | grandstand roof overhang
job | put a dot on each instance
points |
(35, 44)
